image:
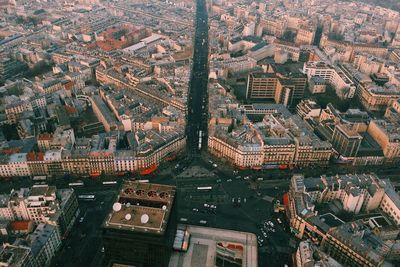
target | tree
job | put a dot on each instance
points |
(335, 36)
(40, 68)
(288, 36)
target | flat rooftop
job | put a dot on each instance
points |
(205, 243)
(141, 207)
(40, 190)
(331, 220)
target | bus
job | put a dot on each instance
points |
(39, 178)
(87, 197)
(79, 183)
(204, 188)
(109, 182)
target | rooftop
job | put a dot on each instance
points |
(142, 207)
(207, 244)
(14, 255)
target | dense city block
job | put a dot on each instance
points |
(199, 133)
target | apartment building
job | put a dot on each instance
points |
(49, 86)
(276, 85)
(18, 164)
(75, 161)
(17, 255)
(101, 161)
(387, 135)
(308, 254)
(14, 110)
(124, 160)
(273, 26)
(41, 204)
(346, 244)
(308, 109)
(317, 85)
(346, 140)
(264, 86)
(377, 98)
(104, 114)
(305, 35)
(44, 242)
(37, 164)
(343, 85)
(152, 153)
(279, 139)
(236, 150)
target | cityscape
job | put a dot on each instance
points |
(199, 133)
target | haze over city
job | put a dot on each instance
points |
(199, 133)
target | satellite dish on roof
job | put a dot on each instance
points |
(164, 207)
(144, 219)
(128, 217)
(117, 206)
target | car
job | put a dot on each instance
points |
(233, 200)
(260, 179)
(206, 205)
(238, 177)
(279, 220)
(239, 200)
(272, 224)
(81, 219)
(195, 210)
(213, 206)
(203, 222)
(229, 180)
(265, 234)
(219, 180)
(273, 230)
(246, 177)
(102, 250)
(244, 200)
(177, 166)
(215, 165)
(210, 161)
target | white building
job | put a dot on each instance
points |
(343, 85)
